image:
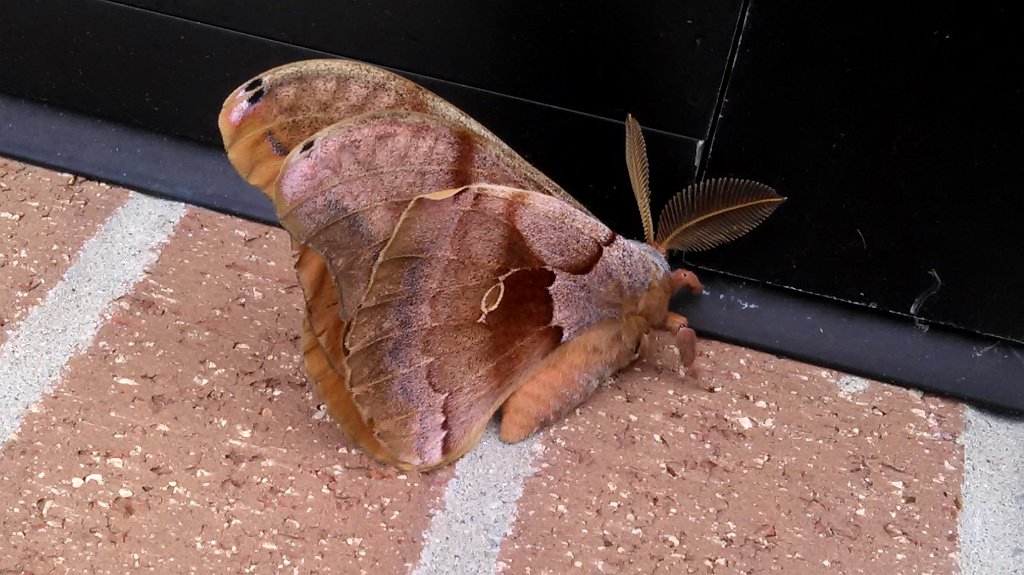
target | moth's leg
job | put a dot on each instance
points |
(569, 375)
(686, 338)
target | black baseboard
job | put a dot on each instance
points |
(139, 159)
(984, 370)
(980, 369)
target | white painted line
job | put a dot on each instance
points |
(479, 505)
(109, 264)
(992, 519)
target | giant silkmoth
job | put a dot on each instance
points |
(446, 278)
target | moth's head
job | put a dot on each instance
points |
(702, 216)
(653, 304)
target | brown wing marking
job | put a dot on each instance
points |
(434, 348)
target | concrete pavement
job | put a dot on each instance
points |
(156, 417)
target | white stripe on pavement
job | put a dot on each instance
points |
(108, 265)
(992, 520)
(479, 506)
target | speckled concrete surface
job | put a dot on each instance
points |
(185, 438)
(45, 217)
(761, 466)
(480, 502)
(108, 267)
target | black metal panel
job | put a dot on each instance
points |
(662, 61)
(171, 75)
(897, 131)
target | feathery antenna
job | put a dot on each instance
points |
(713, 212)
(636, 164)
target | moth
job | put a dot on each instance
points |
(446, 278)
